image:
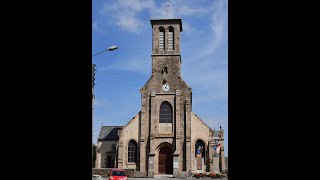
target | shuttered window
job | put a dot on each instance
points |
(170, 39)
(161, 38)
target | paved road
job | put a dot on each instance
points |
(168, 178)
(173, 178)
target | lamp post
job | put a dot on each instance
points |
(109, 49)
(112, 48)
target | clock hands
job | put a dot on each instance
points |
(165, 87)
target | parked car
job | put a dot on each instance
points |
(118, 174)
(97, 177)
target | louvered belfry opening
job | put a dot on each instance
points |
(170, 38)
(161, 38)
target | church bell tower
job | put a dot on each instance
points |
(166, 36)
(165, 105)
(166, 58)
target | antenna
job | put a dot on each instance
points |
(167, 11)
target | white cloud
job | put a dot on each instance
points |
(96, 27)
(201, 50)
(207, 58)
(177, 9)
(129, 22)
(209, 77)
(190, 11)
(219, 27)
(125, 13)
(101, 103)
(189, 29)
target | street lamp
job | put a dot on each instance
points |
(109, 49)
(112, 48)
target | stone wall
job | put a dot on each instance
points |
(128, 133)
(200, 131)
(103, 148)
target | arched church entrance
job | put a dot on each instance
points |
(165, 161)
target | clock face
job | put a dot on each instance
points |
(165, 87)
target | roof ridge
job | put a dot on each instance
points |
(134, 117)
(202, 121)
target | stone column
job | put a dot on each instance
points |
(178, 119)
(120, 154)
(152, 136)
(153, 117)
(215, 164)
(178, 130)
(222, 158)
(153, 128)
(98, 156)
(188, 155)
(216, 156)
(188, 135)
(142, 147)
(98, 160)
(142, 172)
(151, 165)
(210, 155)
(175, 165)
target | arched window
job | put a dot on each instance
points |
(165, 112)
(161, 38)
(200, 148)
(132, 151)
(170, 38)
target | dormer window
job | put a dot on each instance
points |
(170, 38)
(161, 38)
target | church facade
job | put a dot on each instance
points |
(165, 136)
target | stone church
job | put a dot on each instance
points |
(165, 136)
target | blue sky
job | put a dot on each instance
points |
(122, 73)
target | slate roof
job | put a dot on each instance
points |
(109, 133)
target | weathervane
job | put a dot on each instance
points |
(167, 11)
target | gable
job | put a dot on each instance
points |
(199, 129)
(131, 129)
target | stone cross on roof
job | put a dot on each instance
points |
(167, 11)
